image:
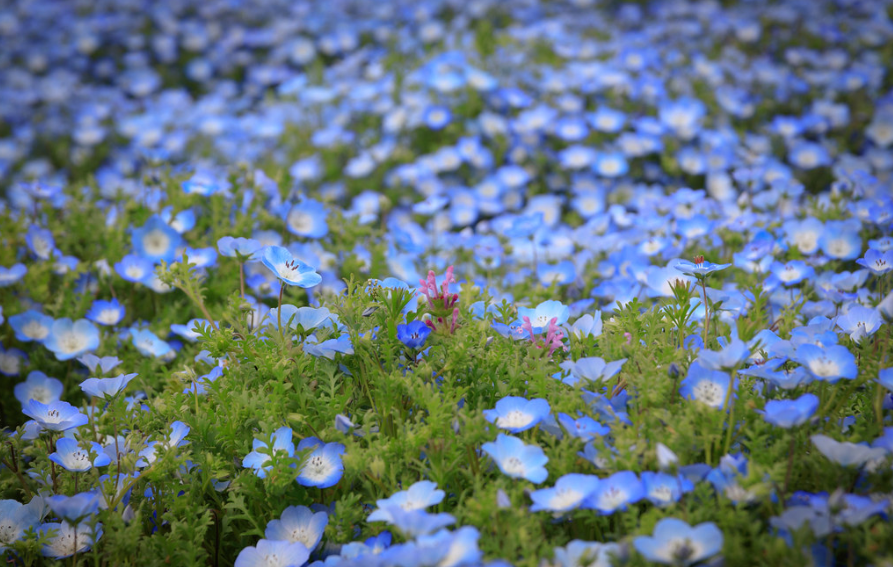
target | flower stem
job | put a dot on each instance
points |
(706, 311)
(730, 407)
(787, 475)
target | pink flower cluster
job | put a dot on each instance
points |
(441, 302)
(554, 335)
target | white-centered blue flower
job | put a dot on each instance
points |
(674, 542)
(156, 240)
(74, 458)
(38, 386)
(517, 414)
(69, 339)
(298, 524)
(517, 460)
(323, 467)
(569, 492)
(269, 553)
(289, 269)
(106, 387)
(419, 496)
(262, 452)
(31, 325)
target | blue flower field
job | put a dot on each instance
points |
(446, 283)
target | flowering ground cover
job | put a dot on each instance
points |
(446, 283)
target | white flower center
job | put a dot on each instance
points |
(824, 367)
(317, 469)
(709, 393)
(300, 222)
(564, 498)
(513, 466)
(34, 330)
(108, 316)
(514, 419)
(156, 242)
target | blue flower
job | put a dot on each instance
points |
(55, 416)
(706, 386)
(11, 361)
(590, 369)
(307, 219)
(106, 387)
(885, 378)
(106, 312)
(148, 343)
(517, 414)
(12, 274)
(436, 117)
(280, 442)
(289, 269)
(414, 334)
(156, 241)
(40, 242)
(245, 249)
(134, 268)
(846, 453)
(879, 263)
(790, 413)
(731, 355)
(298, 524)
(69, 539)
(841, 239)
(70, 456)
(94, 363)
(31, 326)
(662, 489)
(860, 322)
(75, 508)
(579, 553)
(830, 363)
(68, 339)
(16, 518)
(328, 348)
(545, 312)
(584, 428)
(517, 460)
(700, 268)
(616, 492)
(306, 318)
(149, 454)
(674, 542)
(323, 467)
(419, 496)
(413, 523)
(273, 554)
(38, 386)
(569, 492)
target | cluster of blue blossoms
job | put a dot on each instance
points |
(582, 151)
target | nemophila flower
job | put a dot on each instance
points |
(75, 508)
(808, 155)
(562, 273)
(69, 539)
(790, 413)
(706, 386)
(885, 378)
(662, 489)
(189, 330)
(414, 523)
(731, 355)
(134, 268)
(246, 249)
(306, 318)
(328, 348)
(94, 363)
(106, 312)
(516, 414)
(525, 225)
(176, 438)
(201, 257)
(829, 363)
(148, 344)
(544, 313)
(584, 427)
(289, 269)
(419, 496)
(269, 553)
(591, 369)
(576, 157)
(69, 339)
(436, 117)
(877, 262)
(841, 239)
(38, 386)
(11, 361)
(683, 117)
(156, 241)
(674, 542)
(16, 518)
(414, 334)
(792, 273)
(31, 326)
(72, 457)
(579, 553)
(569, 493)
(307, 219)
(280, 444)
(298, 524)
(55, 416)
(700, 268)
(587, 326)
(860, 322)
(323, 467)
(199, 386)
(12, 274)
(846, 453)
(517, 460)
(106, 387)
(616, 492)
(40, 242)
